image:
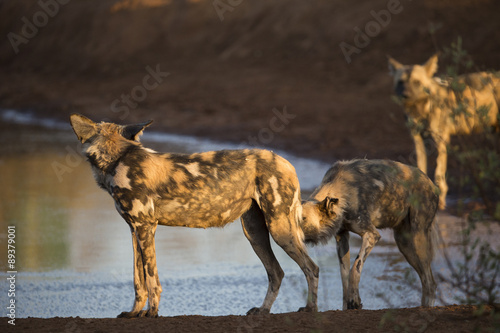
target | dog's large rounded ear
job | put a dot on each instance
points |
(431, 65)
(133, 132)
(394, 65)
(83, 127)
(328, 205)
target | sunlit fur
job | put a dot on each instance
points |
(199, 190)
(432, 107)
(362, 196)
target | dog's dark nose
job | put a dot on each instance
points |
(400, 88)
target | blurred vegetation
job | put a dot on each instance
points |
(474, 278)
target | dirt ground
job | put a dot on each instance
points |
(454, 319)
(271, 73)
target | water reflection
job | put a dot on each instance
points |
(30, 201)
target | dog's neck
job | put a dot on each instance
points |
(106, 154)
(105, 160)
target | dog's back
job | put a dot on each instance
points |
(470, 102)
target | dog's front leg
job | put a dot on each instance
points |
(345, 263)
(141, 294)
(370, 238)
(420, 151)
(440, 174)
(146, 239)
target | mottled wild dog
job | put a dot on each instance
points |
(434, 108)
(363, 195)
(199, 191)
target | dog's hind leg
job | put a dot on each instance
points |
(141, 294)
(285, 233)
(146, 239)
(369, 239)
(416, 245)
(255, 229)
(345, 263)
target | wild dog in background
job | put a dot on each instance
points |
(363, 195)
(199, 191)
(434, 108)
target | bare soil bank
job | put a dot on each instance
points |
(226, 77)
(440, 319)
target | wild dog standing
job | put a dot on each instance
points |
(363, 195)
(430, 105)
(199, 191)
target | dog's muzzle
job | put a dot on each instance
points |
(400, 89)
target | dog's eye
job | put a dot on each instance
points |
(416, 83)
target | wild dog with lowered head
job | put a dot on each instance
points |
(363, 195)
(200, 190)
(431, 107)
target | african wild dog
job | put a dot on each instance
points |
(434, 108)
(363, 195)
(200, 190)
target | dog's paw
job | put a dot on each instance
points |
(128, 315)
(308, 308)
(354, 305)
(142, 313)
(257, 311)
(151, 313)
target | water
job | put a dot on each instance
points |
(74, 253)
